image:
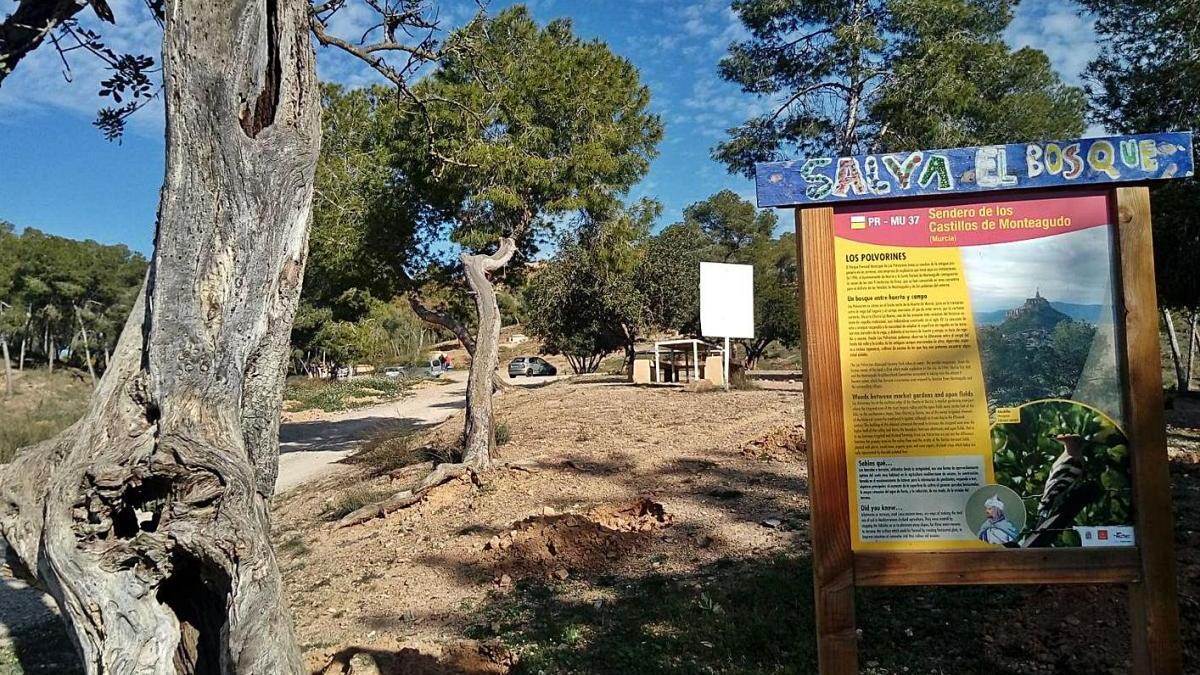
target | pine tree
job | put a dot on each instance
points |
(881, 75)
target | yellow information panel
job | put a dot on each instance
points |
(982, 398)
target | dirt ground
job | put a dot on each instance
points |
(598, 447)
(647, 530)
(624, 489)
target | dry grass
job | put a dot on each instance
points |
(41, 406)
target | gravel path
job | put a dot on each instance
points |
(311, 448)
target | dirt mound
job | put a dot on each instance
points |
(466, 657)
(781, 443)
(556, 545)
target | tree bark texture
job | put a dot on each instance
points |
(1191, 355)
(479, 437)
(1176, 358)
(148, 519)
(8, 387)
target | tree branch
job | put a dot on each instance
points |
(28, 27)
(444, 320)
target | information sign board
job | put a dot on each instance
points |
(983, 388)
(983, 403)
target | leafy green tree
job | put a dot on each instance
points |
(62, 290)
(584, 303)
(525, 126)
(731, 222)
(1145, 80)
(722, 228)
(365, 228)
(572, 310)
(668, 277)
(845, 77)
(776, 304)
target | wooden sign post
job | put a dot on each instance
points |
(942, 450)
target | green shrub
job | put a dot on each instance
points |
(335, 395)
(503, 433)
(350, 501)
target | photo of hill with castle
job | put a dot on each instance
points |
(1038, 351)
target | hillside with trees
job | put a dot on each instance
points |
(1036, 352)
(63, 301)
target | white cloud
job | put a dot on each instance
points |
(1072, 267)
(40, 80)
(1067, 37)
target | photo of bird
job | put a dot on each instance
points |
(1066, 493)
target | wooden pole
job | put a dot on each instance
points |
(1153, 601)
(695, 362)
(1191, 355)
(725, 364)
(833, 559)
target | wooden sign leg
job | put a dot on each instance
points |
(1153, 601)
(833, 559)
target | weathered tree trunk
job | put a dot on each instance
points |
(25, 338)
(8, 387)
(87, 350)
(630, 346)
(1176, 359)
(148, 519)
(1191, 356)
(754, 351)
(479, 437)
(51, 353)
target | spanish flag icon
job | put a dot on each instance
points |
(858, 222)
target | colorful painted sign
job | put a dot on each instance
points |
(1088, 161)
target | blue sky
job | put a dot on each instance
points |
(58, 174)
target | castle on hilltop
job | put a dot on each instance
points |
(1036, 313)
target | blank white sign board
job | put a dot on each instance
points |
(726, 300)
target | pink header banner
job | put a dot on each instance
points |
(971, 221)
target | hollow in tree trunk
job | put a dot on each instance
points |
(148, 519)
